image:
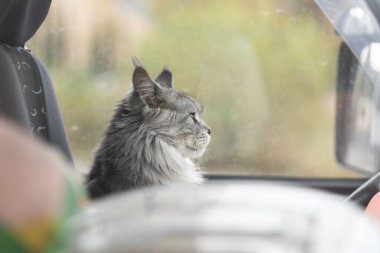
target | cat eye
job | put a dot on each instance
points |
(192, 115)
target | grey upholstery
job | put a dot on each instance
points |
(26, 92)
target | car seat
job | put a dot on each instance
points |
(26, 92)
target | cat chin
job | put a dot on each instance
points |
(193, 153)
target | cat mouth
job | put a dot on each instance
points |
(194, 146)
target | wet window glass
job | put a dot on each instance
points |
(265, 71)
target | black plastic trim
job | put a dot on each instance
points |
(342, 186)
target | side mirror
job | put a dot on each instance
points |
(358, 109)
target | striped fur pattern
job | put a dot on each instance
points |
(152, 138)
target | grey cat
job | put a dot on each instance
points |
(151, 139)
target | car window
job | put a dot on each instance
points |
(265, 71)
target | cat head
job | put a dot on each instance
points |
(169, 114)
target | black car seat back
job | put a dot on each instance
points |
(26, 92)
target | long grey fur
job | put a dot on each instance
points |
(151, 139)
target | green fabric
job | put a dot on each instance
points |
(71, 205)
(9, 243)
(74, 194)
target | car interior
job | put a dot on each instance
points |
(27, 98)
(27, 94)
(23, 75)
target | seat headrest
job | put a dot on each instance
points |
(20, 19)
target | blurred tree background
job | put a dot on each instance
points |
(265, 71)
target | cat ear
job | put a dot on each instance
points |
(165, 78)
(145, 87)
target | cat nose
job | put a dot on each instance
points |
(209, 131)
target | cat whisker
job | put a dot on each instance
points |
(143, 143)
